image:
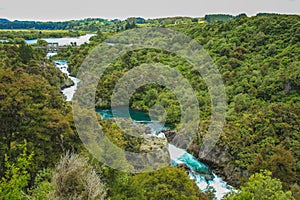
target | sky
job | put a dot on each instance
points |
(60, 10)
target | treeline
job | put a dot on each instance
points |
(115, 25)
(89, 24)
(227, 17)
(95, 24)
(35, 34)
(86, 24)
(218, 17)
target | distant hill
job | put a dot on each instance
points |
(218, 17)
(222, 17)
(4, 20)
(94, 24)
(85, 24)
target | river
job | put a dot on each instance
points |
(63, 65)
(69, 92)
(65, 40)
(177, 155)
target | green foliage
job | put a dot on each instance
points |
(32, 108)
(10, 57)
(261, 186)
(258, 58)
(43, 187)
(296, 191)
(26, 53)
(91, 25)
(218, 17)
(12, 35)
(41, 42)
(130, 23)
(281, 164)
(123, 139)
(15, 181)
(167, 183)
(37, 114)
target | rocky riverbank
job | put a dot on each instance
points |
(218, 160)
(67, 83)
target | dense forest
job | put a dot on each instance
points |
(94, 24)
(42, 156)
(258, 152)
(87, 24)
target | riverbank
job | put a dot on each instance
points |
(218, 160)
(198, 171)
(71, 84)
(8, 34)
(65, 40)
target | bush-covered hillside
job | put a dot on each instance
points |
(258, 151)
(258, 58)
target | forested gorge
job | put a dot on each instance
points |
(42, 156)
(259, 61)
(258, 151)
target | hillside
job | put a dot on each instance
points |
(258, 151)
(258, 58)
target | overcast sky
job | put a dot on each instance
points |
(58, 10)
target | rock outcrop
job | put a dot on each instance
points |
(219, 161)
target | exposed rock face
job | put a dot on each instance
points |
(152, 143)
(183, 166)
(154, 150)
(219, 160)
(217, 155)
(67, 83)
(194, 149)
(208, 177)
(221, 163)
(151, 152)
(180, 139)
(170, 135)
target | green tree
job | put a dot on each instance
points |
(168, 183)
(26, 53)
(34, 110)
(41, 42)
(43, 186)
(261, 186)
(15, 181)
